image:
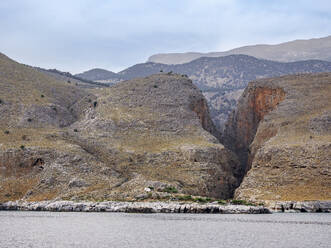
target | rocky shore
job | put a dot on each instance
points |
(300, 207)
(132, 207)
(169, 207)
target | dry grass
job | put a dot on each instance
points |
(30, 137)
(12, 189)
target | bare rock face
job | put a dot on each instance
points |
(281, 132)
(58, 141)
(242, 124)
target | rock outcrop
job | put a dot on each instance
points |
(281, 132)
(58, 141)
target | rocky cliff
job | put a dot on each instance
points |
(145, 138)
(281, 131)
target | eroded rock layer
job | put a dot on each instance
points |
(281, 132)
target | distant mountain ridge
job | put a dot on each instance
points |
(67, 76)
(223, 79)
(98, 74)
(319, 48)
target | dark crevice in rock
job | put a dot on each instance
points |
(242, 125)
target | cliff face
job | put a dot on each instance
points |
(281, 132)
(242, 125)
(58, 141)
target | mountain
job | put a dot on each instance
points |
(281, 130)
(69, 78)
(223, 79)
(99, 75)
(291, 51)
(60, 141)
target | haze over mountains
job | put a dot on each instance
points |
(296, 50)
(221, 79)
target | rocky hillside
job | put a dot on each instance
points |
(284, 52)
(282, 132)
(223, 79)
(58, 141)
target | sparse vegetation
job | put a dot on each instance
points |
(184, 198)
(42, 96)
(6, 132)
(241, 202)
(1, 101)
(200, 199)
(95, 104)
(22, 147)
(170, 189)
(75, 130)
(29, 120)
(155, 86)
(222, 202)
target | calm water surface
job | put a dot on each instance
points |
(46, 229)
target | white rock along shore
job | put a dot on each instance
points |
(167, 207)
(132, 207)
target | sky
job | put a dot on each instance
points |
(78, 35)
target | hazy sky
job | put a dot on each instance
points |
(77, 35)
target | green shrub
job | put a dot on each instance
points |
(241, 202)
(1, 101)
(75, 130)
(200, 199)
(95, 104)
(184, 198)
(22, 147)
(155, 86)
(170, 189)
(6, 132)
(222, 202)
(42, 96)
(29, 119)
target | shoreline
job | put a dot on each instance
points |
(132, 207)
(167, 207)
